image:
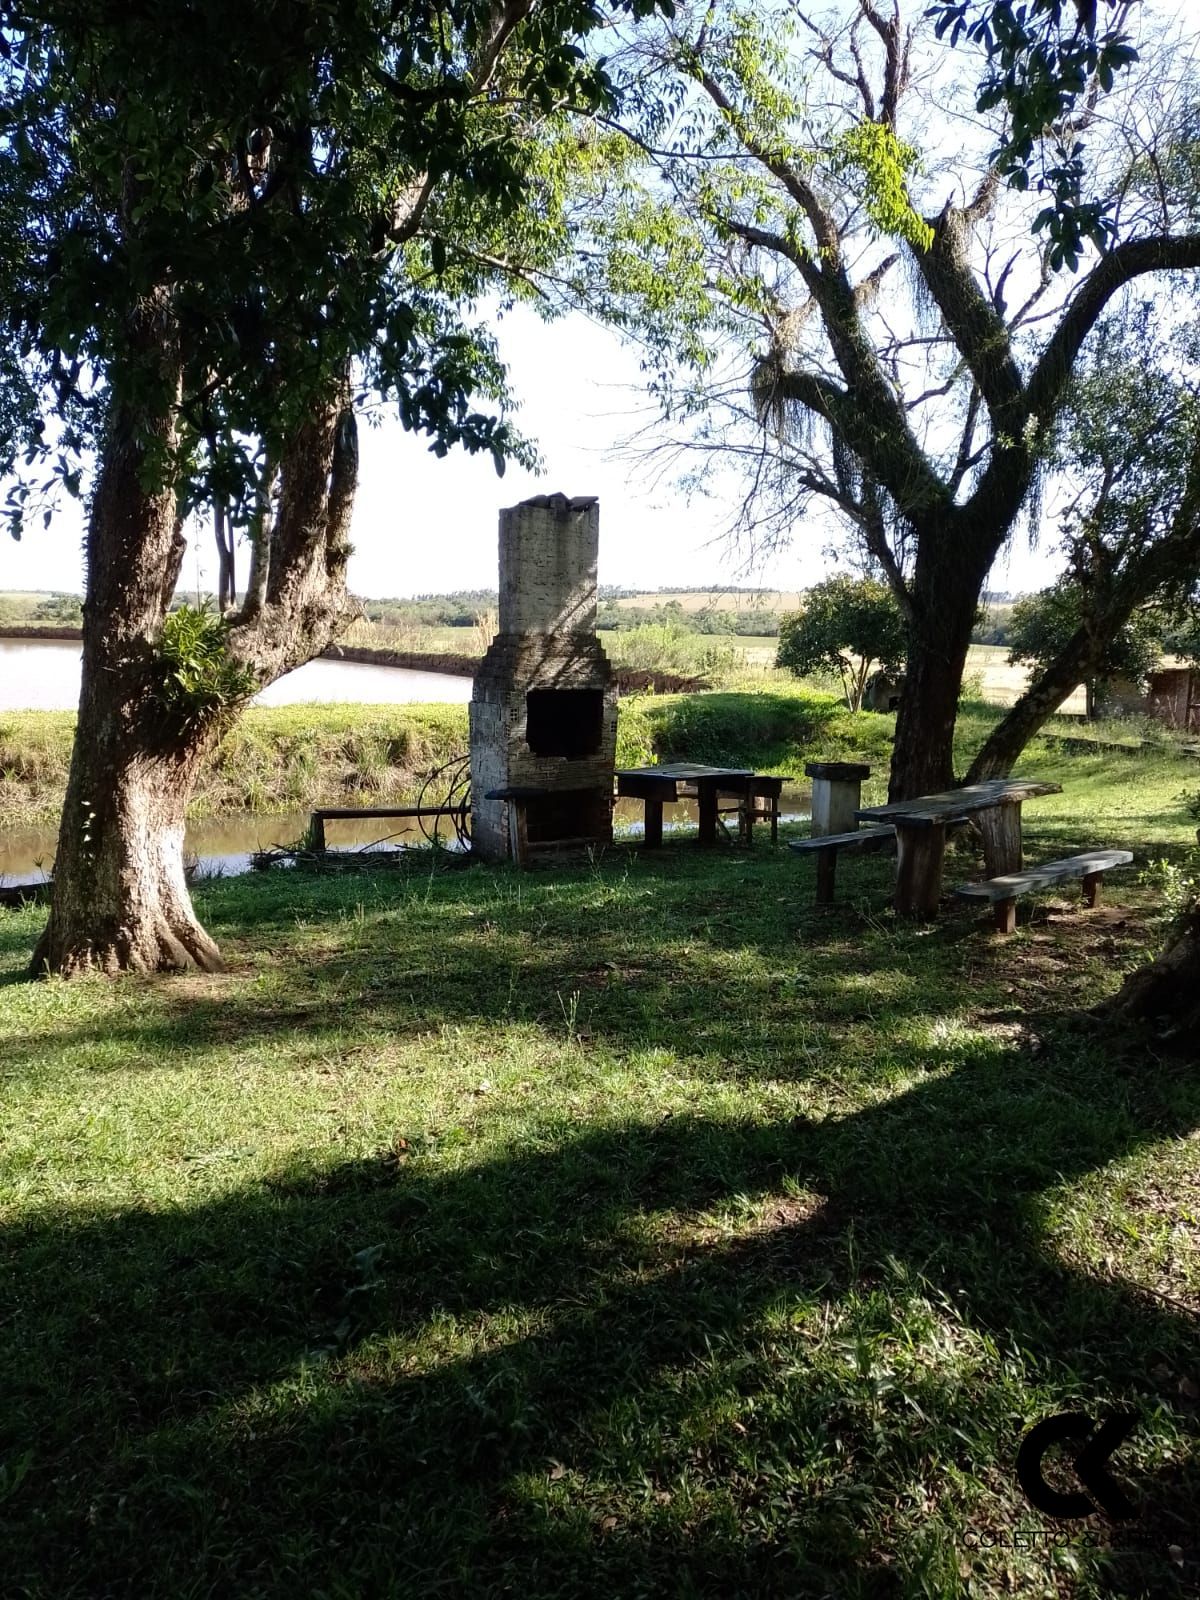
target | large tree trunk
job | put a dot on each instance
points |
(119, 901)
(1167, 991)
(1003, 746)
(944, 597)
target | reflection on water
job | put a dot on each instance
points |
(43, 675)
(225, 844)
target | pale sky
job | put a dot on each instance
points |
(423, 525)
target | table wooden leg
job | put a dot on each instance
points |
(1005, 914)
(1000, 827)
(1091, 888)
(653, 829)
(920, 853)
(708, 813)
(747, 816)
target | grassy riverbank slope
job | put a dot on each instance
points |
(286, 758)
(625, 1229)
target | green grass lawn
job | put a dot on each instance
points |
(633, 1229)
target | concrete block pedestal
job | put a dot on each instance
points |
(836, 795)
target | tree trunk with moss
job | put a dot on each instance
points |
(942, 599)
(1029, 714)
(119, 900)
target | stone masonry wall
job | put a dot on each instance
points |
(549, 548)
(548, 563)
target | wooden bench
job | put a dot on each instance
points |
(827, 846)
(1002, 893)
(324, 814)
(757, 801)
(760, 803)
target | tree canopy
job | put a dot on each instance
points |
(1048, 62)
(316, 184)
(847, 626)
(1042, 624)
(837, 292)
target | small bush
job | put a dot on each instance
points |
(199, 678)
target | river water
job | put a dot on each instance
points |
(43, 675)
(224, 845)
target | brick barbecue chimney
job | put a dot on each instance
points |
(544, 703)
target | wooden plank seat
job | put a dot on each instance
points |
(324, 814)
(1002, 893)
(828, 846)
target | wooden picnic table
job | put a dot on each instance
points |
(659, 786)
(993, 807)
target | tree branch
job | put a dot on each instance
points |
(974, 324)
(802, 192)
(891, 453)
(1121, 266)
(895, 77)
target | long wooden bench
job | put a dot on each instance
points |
(1002, 893)
(829, 845)
(324, 814)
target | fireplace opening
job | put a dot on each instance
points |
(564, 722)
(570, 815)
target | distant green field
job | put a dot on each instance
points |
(716, 600)
(718, 657)
(1001, 684)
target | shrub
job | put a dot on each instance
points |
(847, 625)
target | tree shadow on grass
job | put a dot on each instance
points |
(694, 1357)
(737, 969)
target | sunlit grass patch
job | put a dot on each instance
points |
(637, 1227)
